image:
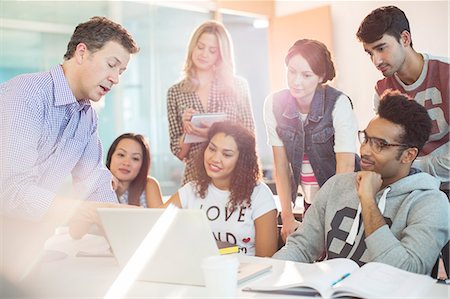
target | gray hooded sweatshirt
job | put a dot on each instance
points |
(417, 225)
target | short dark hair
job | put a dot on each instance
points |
(96, 32)
(389, 20)
(137, 186)
(406, 112)
(317, 56)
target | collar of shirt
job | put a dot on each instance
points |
(63, 93)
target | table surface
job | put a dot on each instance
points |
(91, 277)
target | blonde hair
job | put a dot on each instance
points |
(224, 68)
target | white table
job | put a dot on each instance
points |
(89, 277)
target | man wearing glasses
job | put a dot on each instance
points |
(386, 37)
(388, 212)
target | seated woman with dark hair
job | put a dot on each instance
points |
(128, 160)
(227, 186)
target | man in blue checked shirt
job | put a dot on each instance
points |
(48, 128)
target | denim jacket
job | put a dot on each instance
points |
(315, 136)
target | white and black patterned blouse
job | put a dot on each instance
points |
(236, 105)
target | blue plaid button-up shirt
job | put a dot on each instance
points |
(47, 136)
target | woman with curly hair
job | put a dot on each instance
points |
(208, 85)
(227, 186)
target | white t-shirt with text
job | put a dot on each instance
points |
(235, 227)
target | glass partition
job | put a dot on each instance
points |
(34, 36)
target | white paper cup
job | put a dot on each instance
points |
(220, 273)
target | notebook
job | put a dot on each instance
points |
(199, 120)
(177, 258)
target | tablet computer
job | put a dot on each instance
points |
(203, 120)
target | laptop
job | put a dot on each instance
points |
(182, 246)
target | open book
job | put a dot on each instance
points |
(203, 120)
(340, 277)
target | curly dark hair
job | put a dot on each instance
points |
(96, 32)
(316, 54)
(389, 20)
(404, 111)
(246, 173)
(137, 186)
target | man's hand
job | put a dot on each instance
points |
(86, 216)
(368, 183)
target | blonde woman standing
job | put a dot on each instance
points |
(208, 85)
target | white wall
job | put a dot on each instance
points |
(356, 76)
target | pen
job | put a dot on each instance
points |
(341, 279)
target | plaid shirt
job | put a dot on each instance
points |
(46, 136)
(238, 108)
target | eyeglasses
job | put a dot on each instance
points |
(376, 144)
